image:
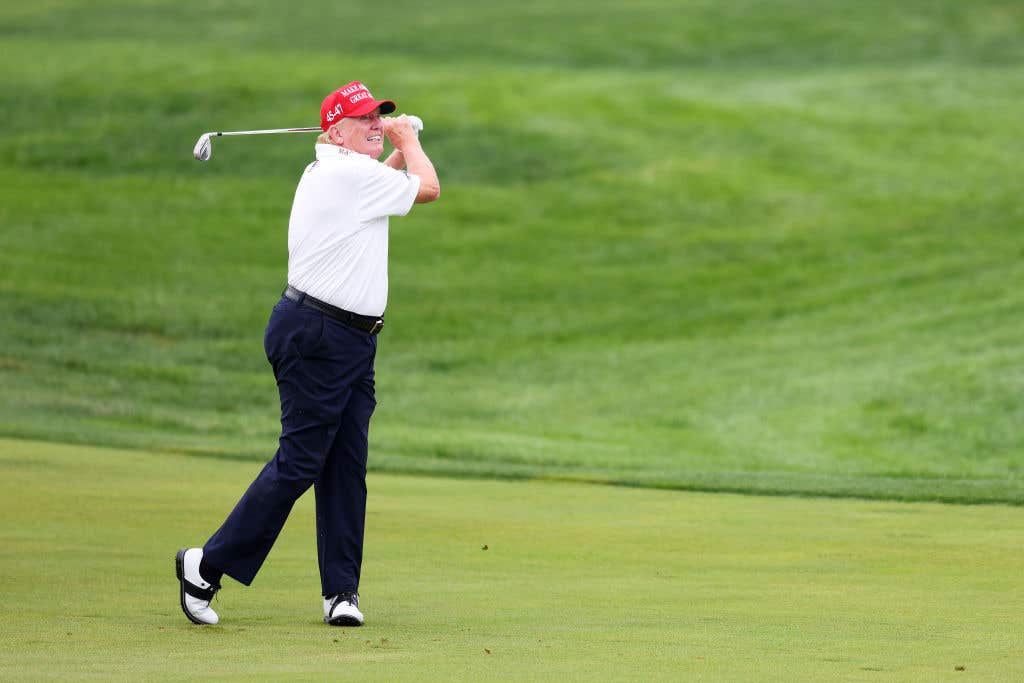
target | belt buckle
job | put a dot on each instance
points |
(377, 326)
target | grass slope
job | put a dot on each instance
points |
(754, 246)
(576, 582)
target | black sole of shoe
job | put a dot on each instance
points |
(344, 620)
(179, 569)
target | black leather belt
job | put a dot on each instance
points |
(366, 323)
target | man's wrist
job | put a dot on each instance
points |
(410, 146)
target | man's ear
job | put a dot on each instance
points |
(334, 132)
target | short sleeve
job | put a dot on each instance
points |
(387, 192)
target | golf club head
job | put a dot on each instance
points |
(203, 148)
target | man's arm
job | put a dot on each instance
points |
(409, 150)
(395, 160)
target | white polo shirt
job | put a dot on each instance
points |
(338, 232)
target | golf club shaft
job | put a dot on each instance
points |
(265, 132)
(415, 121)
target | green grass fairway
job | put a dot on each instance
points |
(753, 246)
(577, 582)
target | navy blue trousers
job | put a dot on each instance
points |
(324, 372)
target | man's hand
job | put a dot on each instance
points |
(399, 131)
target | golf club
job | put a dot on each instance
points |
(204, 149)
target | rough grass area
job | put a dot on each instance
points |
(747, 246)
(477, 580)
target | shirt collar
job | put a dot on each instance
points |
(328, 151)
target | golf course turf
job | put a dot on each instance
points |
(469, 580)
(692, 248)
(765, 247)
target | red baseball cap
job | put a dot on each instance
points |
(350, 100)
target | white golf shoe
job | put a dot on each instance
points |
(195, 592)
(343, 610)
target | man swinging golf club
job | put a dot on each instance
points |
(321, 341)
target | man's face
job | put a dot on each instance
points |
(363, 134)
